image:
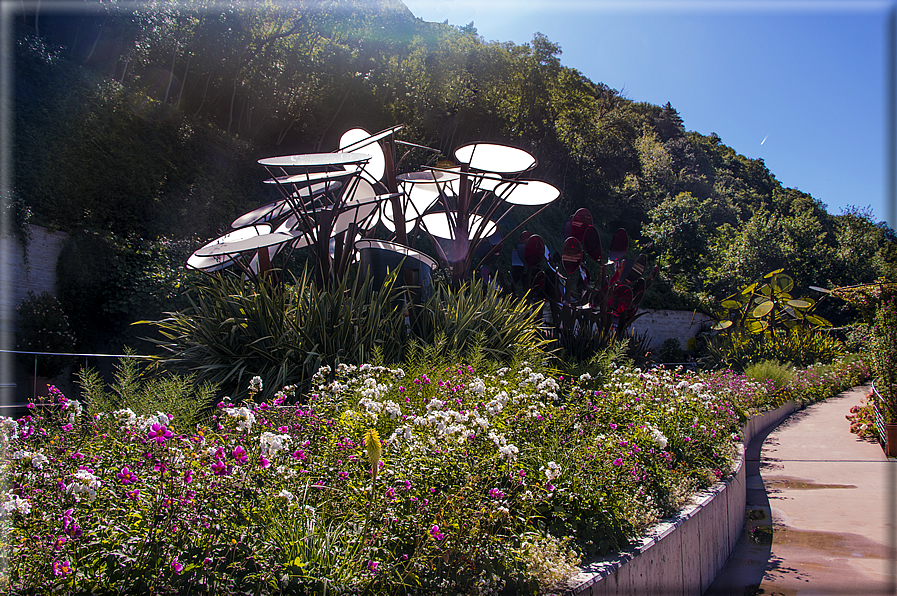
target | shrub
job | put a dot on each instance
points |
(180, 396)
(44, 327)
(671, 351)
(478, 316)
(862, 419)
(884, 354)
(770, 370)
(801, 346)
(235, 330)
(434, 478)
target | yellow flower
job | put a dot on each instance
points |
(372, 446)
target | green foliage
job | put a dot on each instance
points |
(146, 395)
(106, 282)
(18, 214)
(134, 126)
(478, 317)
(766, 306)
(42, 326)
(234, 330)
(884, 354)
(601, 364)
(801, 346)
(862, 419)
(770, 370)
(671, 351)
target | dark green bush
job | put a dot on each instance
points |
(801, 346)
(44, 327)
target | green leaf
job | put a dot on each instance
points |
(763, 309)
(783, 283)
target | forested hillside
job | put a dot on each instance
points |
(143, 128)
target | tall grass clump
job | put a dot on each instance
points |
(478, 316)
(235, 330)
(770, 370)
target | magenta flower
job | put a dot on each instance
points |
(618, 462)
(134, 494)
(176, 565)
(264, 462)
(240, 455)
(159, 433)
(219, 468)
(126, 476)
(60, 542)
(62, 568)
(188, 476)
(435, 533)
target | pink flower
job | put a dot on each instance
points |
(618, 462)
(62, 568)
(126, 476)
(240, 455)
(134, 494)
(435, 533)
(264, 462)
(159, 433)
(188, 476)
(219, 468)
(176, 566)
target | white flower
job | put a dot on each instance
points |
(509, 451)
(16, 503)
(393, 409)
(75, 409)
(552, 470)
(477, 386)
(9, 428)
(256, 384)
(38, 460)
(658, 436)
(284, 493)
(435, 404)
(585, 377)
(126, 416)
(86, 485)
(272, 443)
(245, 417)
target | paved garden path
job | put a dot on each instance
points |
(821, 510)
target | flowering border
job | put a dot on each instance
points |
(708, 529)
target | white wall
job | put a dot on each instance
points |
(40, 273)
(662, 325)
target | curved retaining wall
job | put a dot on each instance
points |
(682, 556)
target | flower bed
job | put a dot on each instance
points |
(447, 480)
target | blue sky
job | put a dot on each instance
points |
(798, 83)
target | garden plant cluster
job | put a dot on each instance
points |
(431, 478)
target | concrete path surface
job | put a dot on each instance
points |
(821, 510)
